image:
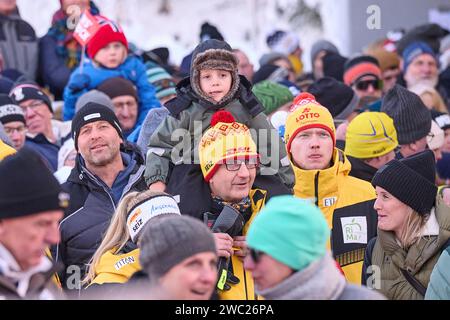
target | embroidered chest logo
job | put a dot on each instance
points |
(354, 229)
(328, 202)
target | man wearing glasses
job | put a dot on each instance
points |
(13, 120)
(363, 74)
(229, 163)
(43, 134)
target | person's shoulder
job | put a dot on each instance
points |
(360, 187)
(132, 61)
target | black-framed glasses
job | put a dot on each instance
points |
(255, 254)
(363, 85)
(235, 165)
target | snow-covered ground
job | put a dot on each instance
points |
(244, 23)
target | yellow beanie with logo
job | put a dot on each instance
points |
(307, 113)
(370, 135)
(225, 140)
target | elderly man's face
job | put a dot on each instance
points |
(424, 70)
(28, 237)
(126, 110)
(37, 115)
(233, 185)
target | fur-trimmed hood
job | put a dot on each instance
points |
(214, 54)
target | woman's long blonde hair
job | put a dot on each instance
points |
(412, 230)
(117, 234)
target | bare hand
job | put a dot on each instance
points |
(446, 195)
(157, 186)
(224, 244)
(241, 243)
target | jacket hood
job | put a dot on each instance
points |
(214, 54)
(184, 87)
(320, 185)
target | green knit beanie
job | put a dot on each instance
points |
(272, 95)
(290, 230)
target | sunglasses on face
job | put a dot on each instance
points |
(364, 85)
(255, 254)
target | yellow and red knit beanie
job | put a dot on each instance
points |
(224, 140)
(307, 113)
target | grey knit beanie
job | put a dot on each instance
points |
(94, 96)
(322, 45)
(412, 119)
(168, 240)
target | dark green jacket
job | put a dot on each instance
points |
(419, 260)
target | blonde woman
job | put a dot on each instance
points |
(413, 226)
(430, 97)
(117, 257)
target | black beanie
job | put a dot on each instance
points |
(93, 112)
(116, 87)
(28, 187)
(29, 91)
(412, 119)
(333, 65)
(334, 95)
(9, 111)
(410, 180)
(208, 31)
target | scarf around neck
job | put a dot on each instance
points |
(66, 45)
(321, 280)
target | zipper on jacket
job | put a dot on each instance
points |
(245, 283)
(101, 185)
(316, 188)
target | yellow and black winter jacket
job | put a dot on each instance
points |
(245, 289)
(116, 268)
(347, 204)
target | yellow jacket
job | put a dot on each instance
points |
(116, 268)
(5, 150)
(245, 289)
(347, 204)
